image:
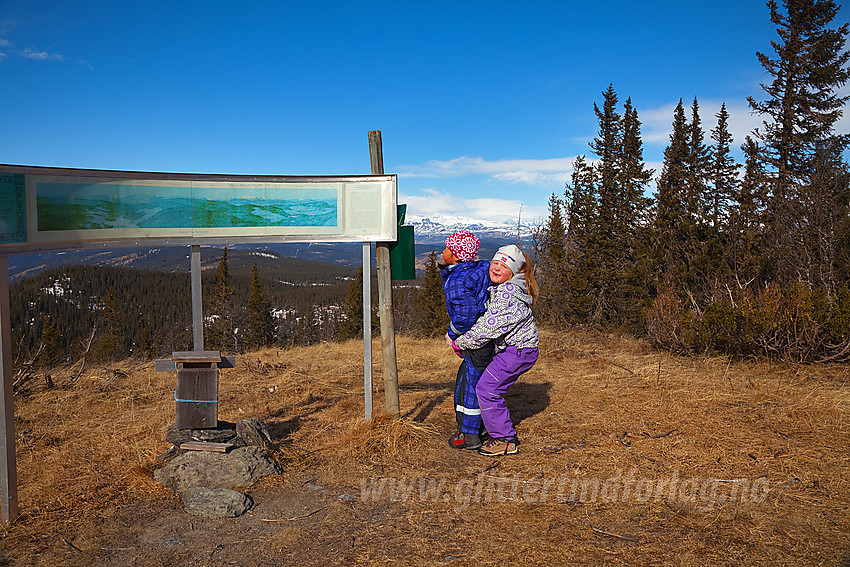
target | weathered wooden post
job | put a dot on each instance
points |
(385, 293)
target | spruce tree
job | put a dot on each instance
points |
(716, 179)
(607, 146)
(50, 344)
(842, 240)
(431, 300)
(221, 329)
(801, 108)
(671, 232)
(723, 171)
(614, 245)
(827, 210)
(634, 180)
(108, 345)
(259, 321)
(697, 167)
(551, 254)
(610, 232)
(582, 242)
(634, 177)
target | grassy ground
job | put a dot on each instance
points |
(628, 456)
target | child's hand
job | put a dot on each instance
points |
(452, 344)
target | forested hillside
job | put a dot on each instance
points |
(252, 298)
(124, 311)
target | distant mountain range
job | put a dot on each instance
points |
(429, 235)
(437, 228)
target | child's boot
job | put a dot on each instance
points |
(465, 441)
(499, 447)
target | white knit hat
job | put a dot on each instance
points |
(511, 256)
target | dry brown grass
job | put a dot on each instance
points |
(594, 407)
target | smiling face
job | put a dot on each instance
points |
(449, 258)
(499, 272)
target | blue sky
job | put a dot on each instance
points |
(482, 105)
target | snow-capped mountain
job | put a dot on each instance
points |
(438, 227)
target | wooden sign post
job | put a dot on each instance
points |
(385, 294)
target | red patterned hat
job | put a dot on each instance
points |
(463, 244)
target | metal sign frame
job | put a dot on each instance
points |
(45, 209)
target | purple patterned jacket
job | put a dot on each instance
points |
(508, 319)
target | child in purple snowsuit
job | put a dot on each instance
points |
(510, 323)
(465, 283)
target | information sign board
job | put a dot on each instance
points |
(51, 208)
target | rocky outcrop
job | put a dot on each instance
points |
(206, 480)
(240, 467)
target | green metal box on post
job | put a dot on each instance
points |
(402, 251)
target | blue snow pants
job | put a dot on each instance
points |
(467, 410)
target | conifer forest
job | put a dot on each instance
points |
(746, 258)
(740, 247)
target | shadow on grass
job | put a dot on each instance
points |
(527, 399)
(427, 386)
(523, 400)
(423, 408)
(281, 431)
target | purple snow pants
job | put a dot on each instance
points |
(502, 373)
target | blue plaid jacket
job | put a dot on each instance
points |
(465, 285)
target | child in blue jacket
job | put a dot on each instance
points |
(466, 282)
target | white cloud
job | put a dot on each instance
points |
(437, 203)
(522, 171)
(5, 45)
(657, 123)
(40, 55)
(7, 48)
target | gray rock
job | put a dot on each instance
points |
(240, 467)
(224, 433)
(215, 502)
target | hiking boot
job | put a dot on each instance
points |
(499, 448)
(464, 441)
